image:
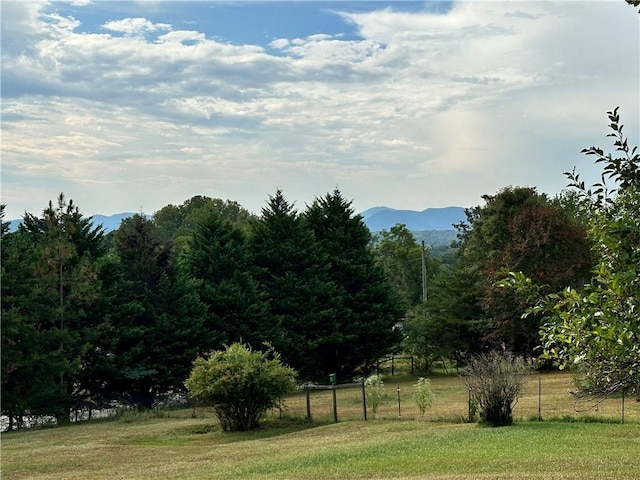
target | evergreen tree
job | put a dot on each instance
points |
(218, 258)
(31, 358)
(157, 319)
(292, 272)
(367, 309)
(49, 289)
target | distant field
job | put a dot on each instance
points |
(177, 446)
(451, 403)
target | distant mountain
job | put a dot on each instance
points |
(376, 219)
(109, 222)
(13, 225)
(383, 218)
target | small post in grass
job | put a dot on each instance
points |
(308, 406)
(333, 379)
(539, 398)
(364, 401)
(399, 414)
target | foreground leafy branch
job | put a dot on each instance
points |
(596, 331)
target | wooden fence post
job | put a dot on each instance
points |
(308, 405)
(335, 404)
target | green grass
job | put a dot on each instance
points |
(176, 446)
(196, 449)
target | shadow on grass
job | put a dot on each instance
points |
(272, 427)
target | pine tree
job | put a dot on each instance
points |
(50, 286)
(157, 319)
(293, 274)
(367, 309)
(31, 359)
(218, 258)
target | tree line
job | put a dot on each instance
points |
(89, 319)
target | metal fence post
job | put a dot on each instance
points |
(364, 401)
(539, 398)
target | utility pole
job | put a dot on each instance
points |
(424, 275)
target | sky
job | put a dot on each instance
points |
(128, 106)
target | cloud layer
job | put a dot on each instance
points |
(421, 109)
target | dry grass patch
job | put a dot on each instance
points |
(451, 401)
(181, 447)
(185, 449)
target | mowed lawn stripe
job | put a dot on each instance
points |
(172, 448)
(527, 450)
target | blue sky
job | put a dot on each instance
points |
(130, 106)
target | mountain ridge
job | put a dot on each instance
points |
(375, 218)
(440, 218)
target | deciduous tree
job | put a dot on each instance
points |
(596, 331)
(520, 227)
(397, 252)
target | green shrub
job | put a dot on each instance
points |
(240, 384)
(375, 392)
(422, 395)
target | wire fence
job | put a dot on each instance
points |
(544, 397)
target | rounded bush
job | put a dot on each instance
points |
(240, 384)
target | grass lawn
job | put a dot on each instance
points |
(180, 447)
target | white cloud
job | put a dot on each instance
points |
(489, 93)
(135, 26)
(182, 36)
